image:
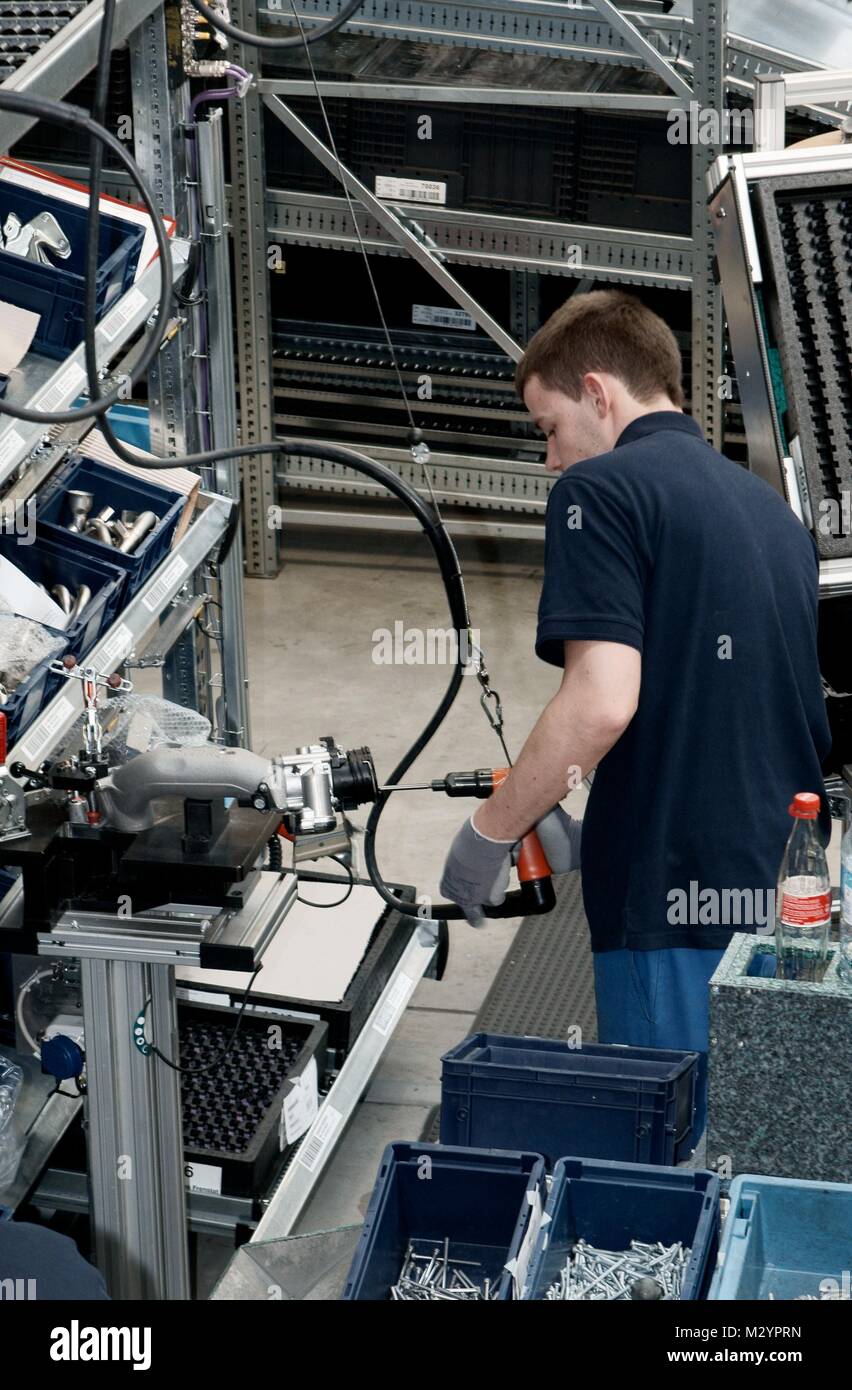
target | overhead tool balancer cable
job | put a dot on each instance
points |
(264, 41)
(429, 517)
(65, 114)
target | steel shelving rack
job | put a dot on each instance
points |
(157, 627)
(696, 57)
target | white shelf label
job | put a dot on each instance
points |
(410, 190)
(203, 1177)
(200, 996)
(42, 735)
(120, 316)
(118, 644)
(64, 388)
(299, 1109)
(397, 995)
(311, 1152)
(519, 1267)
(175, 570)
(437, 317)
(11, 442)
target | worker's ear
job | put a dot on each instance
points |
(597, 388)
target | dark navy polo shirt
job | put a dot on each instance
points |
(668, 547)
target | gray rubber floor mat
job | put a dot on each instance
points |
(545, 986)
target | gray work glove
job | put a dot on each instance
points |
(559, 835)
(476, 872)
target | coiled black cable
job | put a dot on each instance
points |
(64, 114)
(264, 41)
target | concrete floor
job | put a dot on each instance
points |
(310, 652)
(311, 646)
(310, 636)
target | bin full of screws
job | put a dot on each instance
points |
(433, 1274)
(643, 1273)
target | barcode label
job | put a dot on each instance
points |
(121, 315)
(397, 996)
(118, 644)
(11, 442)
(313, 1150)
(411, 190)
(203, 1177)
(172, 572)
(63, 389)
(442, 318)
(42, 735)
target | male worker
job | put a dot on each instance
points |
(680, 597)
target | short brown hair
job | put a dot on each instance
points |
(604, 331)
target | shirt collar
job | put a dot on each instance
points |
(658, 420)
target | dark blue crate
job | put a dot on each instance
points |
(633, 1104)
(610, 1204)
(110, 487)
(48, 562)
(57, 291)
(784, 1236)
(477, 1198)
(26, 701)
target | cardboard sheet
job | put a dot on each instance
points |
(19, 326)
(314, 953)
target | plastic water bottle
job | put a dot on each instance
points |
(844, 959)
(803, 901)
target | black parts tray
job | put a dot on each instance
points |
(242, 1116)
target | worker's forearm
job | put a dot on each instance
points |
(566, 743)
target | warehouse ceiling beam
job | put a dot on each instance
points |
(646, 50)
(413, 241)
(491, 96)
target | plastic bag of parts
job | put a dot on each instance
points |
(23, 645)
(134, 724)
(11, 1080)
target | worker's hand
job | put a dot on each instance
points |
(476, 872)
(559, 836)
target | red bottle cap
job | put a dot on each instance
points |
(805, 806)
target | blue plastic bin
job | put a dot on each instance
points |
(110, 487)
(479, 1199)
(610, 1204)
(634, 1104)
(784, 1236)
(48, 562)
(57, 291)
(28, 699)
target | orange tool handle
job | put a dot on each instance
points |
(532, 860)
